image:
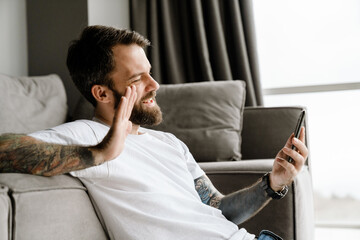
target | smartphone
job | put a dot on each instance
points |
(297, 131)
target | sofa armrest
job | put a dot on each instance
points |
(266, 130)
(55, 207)
(291, 217)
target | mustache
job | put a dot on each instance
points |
(151, 94)
(118, 96)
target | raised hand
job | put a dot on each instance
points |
(283, 172)
(113, 143)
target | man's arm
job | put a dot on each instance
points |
(208, 193)
(236, 207)
(245, 203)
(25, 154)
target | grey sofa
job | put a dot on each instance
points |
(59, 207)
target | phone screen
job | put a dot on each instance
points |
(297, 130)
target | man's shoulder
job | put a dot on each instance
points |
(81, 125)
(76, 132)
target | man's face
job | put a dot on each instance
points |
(133, 68)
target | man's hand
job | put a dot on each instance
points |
(113, 143)
(283, 172)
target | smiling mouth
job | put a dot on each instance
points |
(148, 101)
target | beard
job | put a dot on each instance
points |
(140, 114)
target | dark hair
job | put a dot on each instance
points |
(90, 59)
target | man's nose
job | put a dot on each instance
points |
(152, 85)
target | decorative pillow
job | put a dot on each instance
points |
(206, 116)
(29, 104)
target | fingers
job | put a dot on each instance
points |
(301, 147)
(285, 171)
(286, 165)
(289, 141)
(298, 158)
(127, 103)
(132, 100)
(293, 141)
(302, 134)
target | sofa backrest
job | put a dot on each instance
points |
(266, 130)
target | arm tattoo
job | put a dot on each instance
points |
(244, 204)
(24, 154)
(236, 207)
(208, 193)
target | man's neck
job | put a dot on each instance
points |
(108, 121)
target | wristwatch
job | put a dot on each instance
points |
(265, 183)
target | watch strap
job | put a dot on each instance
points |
(265, 183)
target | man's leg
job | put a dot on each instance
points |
(267, 235)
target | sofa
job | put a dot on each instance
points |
(240, 145)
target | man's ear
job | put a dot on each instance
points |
(101, 93)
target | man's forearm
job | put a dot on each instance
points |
(242, 205)
(24, 154)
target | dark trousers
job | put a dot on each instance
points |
(267, 235)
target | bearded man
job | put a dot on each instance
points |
(145, 183)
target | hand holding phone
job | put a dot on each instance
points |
(297, 131)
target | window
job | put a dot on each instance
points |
(309, 55)
(308, 42)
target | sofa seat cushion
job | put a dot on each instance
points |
(51, 208)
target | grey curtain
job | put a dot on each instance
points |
(194, 40)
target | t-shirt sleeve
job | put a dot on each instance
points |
(74, 133)
(192, 165)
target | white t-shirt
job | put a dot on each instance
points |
(148, 191)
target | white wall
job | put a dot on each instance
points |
(13, 30)
(13, 38)
(114, 13)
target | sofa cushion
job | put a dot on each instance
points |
(30, 104)
(206, 116)
(51, 208)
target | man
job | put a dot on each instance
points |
(139, 177)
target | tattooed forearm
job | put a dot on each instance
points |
(24, 154)
(236, 207)
(242, 205)
(207, 192)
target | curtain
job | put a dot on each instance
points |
(194, 40)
